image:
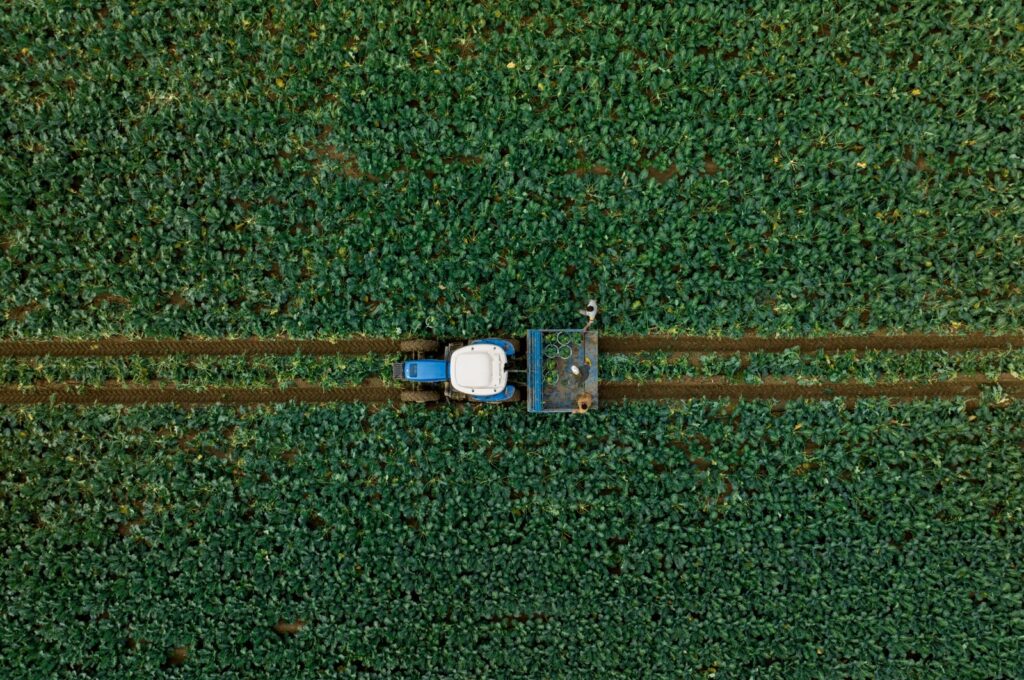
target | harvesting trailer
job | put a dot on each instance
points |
(557, 372)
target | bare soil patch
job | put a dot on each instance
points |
(131, 395)
(970, 387)
(782, 390)
(834, 343)
(109, 347)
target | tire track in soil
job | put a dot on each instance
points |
(833, 343)
(153, 347)
(969, 387)
(131, 395)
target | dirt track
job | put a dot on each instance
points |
(969, 386)
(834, 343)
(965, 386)
(151, 347)
(133, 395)
(106, 347)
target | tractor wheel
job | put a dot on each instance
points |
(427, 346)
(419, 396)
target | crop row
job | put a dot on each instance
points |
(199, 372)
(460, 170)
(866, 367)
(340, 371)
(294, 541)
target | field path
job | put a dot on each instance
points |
(968, 386)
(154, 347)
(113, 347)
(133, 395)
(832, 343)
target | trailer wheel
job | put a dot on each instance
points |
(414, 345)
(419, 396)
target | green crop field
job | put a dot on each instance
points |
(369, 171)
(404, 168)
(650, 540)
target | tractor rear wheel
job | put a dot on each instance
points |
(415, 345)
(419, 396)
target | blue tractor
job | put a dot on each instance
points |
(556, 374)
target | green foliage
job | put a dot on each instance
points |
(200, 372)
(642, 541)
(466, 168)
(460, 169)
(868, 367)
(338, 371)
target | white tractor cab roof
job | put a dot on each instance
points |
(478, 369)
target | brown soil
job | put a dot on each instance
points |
(468, 161)
(969, 386)
(349, 163)
(710, 167)
(662, 176)
(109, 297)
(178, 301)
(466, 48)
(283, 627)
(106, 347)
(19, 313)
(590, 170)
(134, 395)
(833, 343)
(176, 656)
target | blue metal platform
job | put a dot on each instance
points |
(561, 370)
